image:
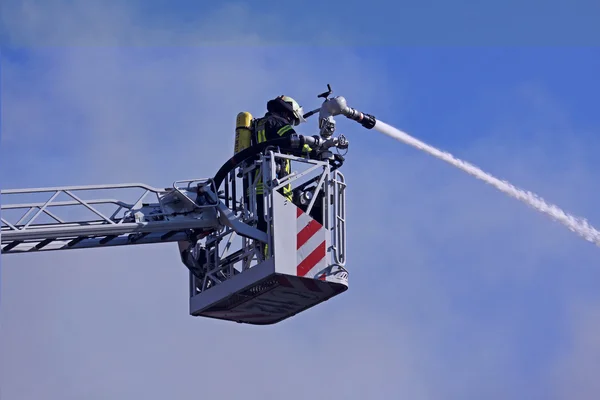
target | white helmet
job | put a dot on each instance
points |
(289, 106)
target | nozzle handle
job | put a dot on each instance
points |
(326, 94)
(311, 113)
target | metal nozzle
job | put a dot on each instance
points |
(366, 120)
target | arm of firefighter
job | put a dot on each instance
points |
(289, 130)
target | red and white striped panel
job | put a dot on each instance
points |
(310, 245)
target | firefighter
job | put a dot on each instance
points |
(283, 113)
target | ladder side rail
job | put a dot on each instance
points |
(81, 187)
(40, 227)
(109, 230)
(12, 230)
(151, 223)
(65, 204)
(95, 242)
(68, 190)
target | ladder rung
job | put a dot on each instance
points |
(11, 245)
(76, 240)
(108, 239)
(43, 243)
(91, 241)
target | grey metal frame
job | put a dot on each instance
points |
(249, 253)
(156, 221)
(339, 214)
(135, 226)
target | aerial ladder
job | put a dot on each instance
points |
(237, 272)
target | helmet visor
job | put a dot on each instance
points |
(299, 114)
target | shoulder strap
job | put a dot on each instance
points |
(254, 126)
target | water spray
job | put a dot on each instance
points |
(575, 224)
(338, 106)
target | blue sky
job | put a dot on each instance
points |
(456, 291)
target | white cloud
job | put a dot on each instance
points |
(573, 369)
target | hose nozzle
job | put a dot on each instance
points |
(366, 120)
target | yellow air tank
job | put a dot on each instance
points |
(242, 131)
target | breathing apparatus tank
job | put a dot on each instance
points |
(243, 132)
